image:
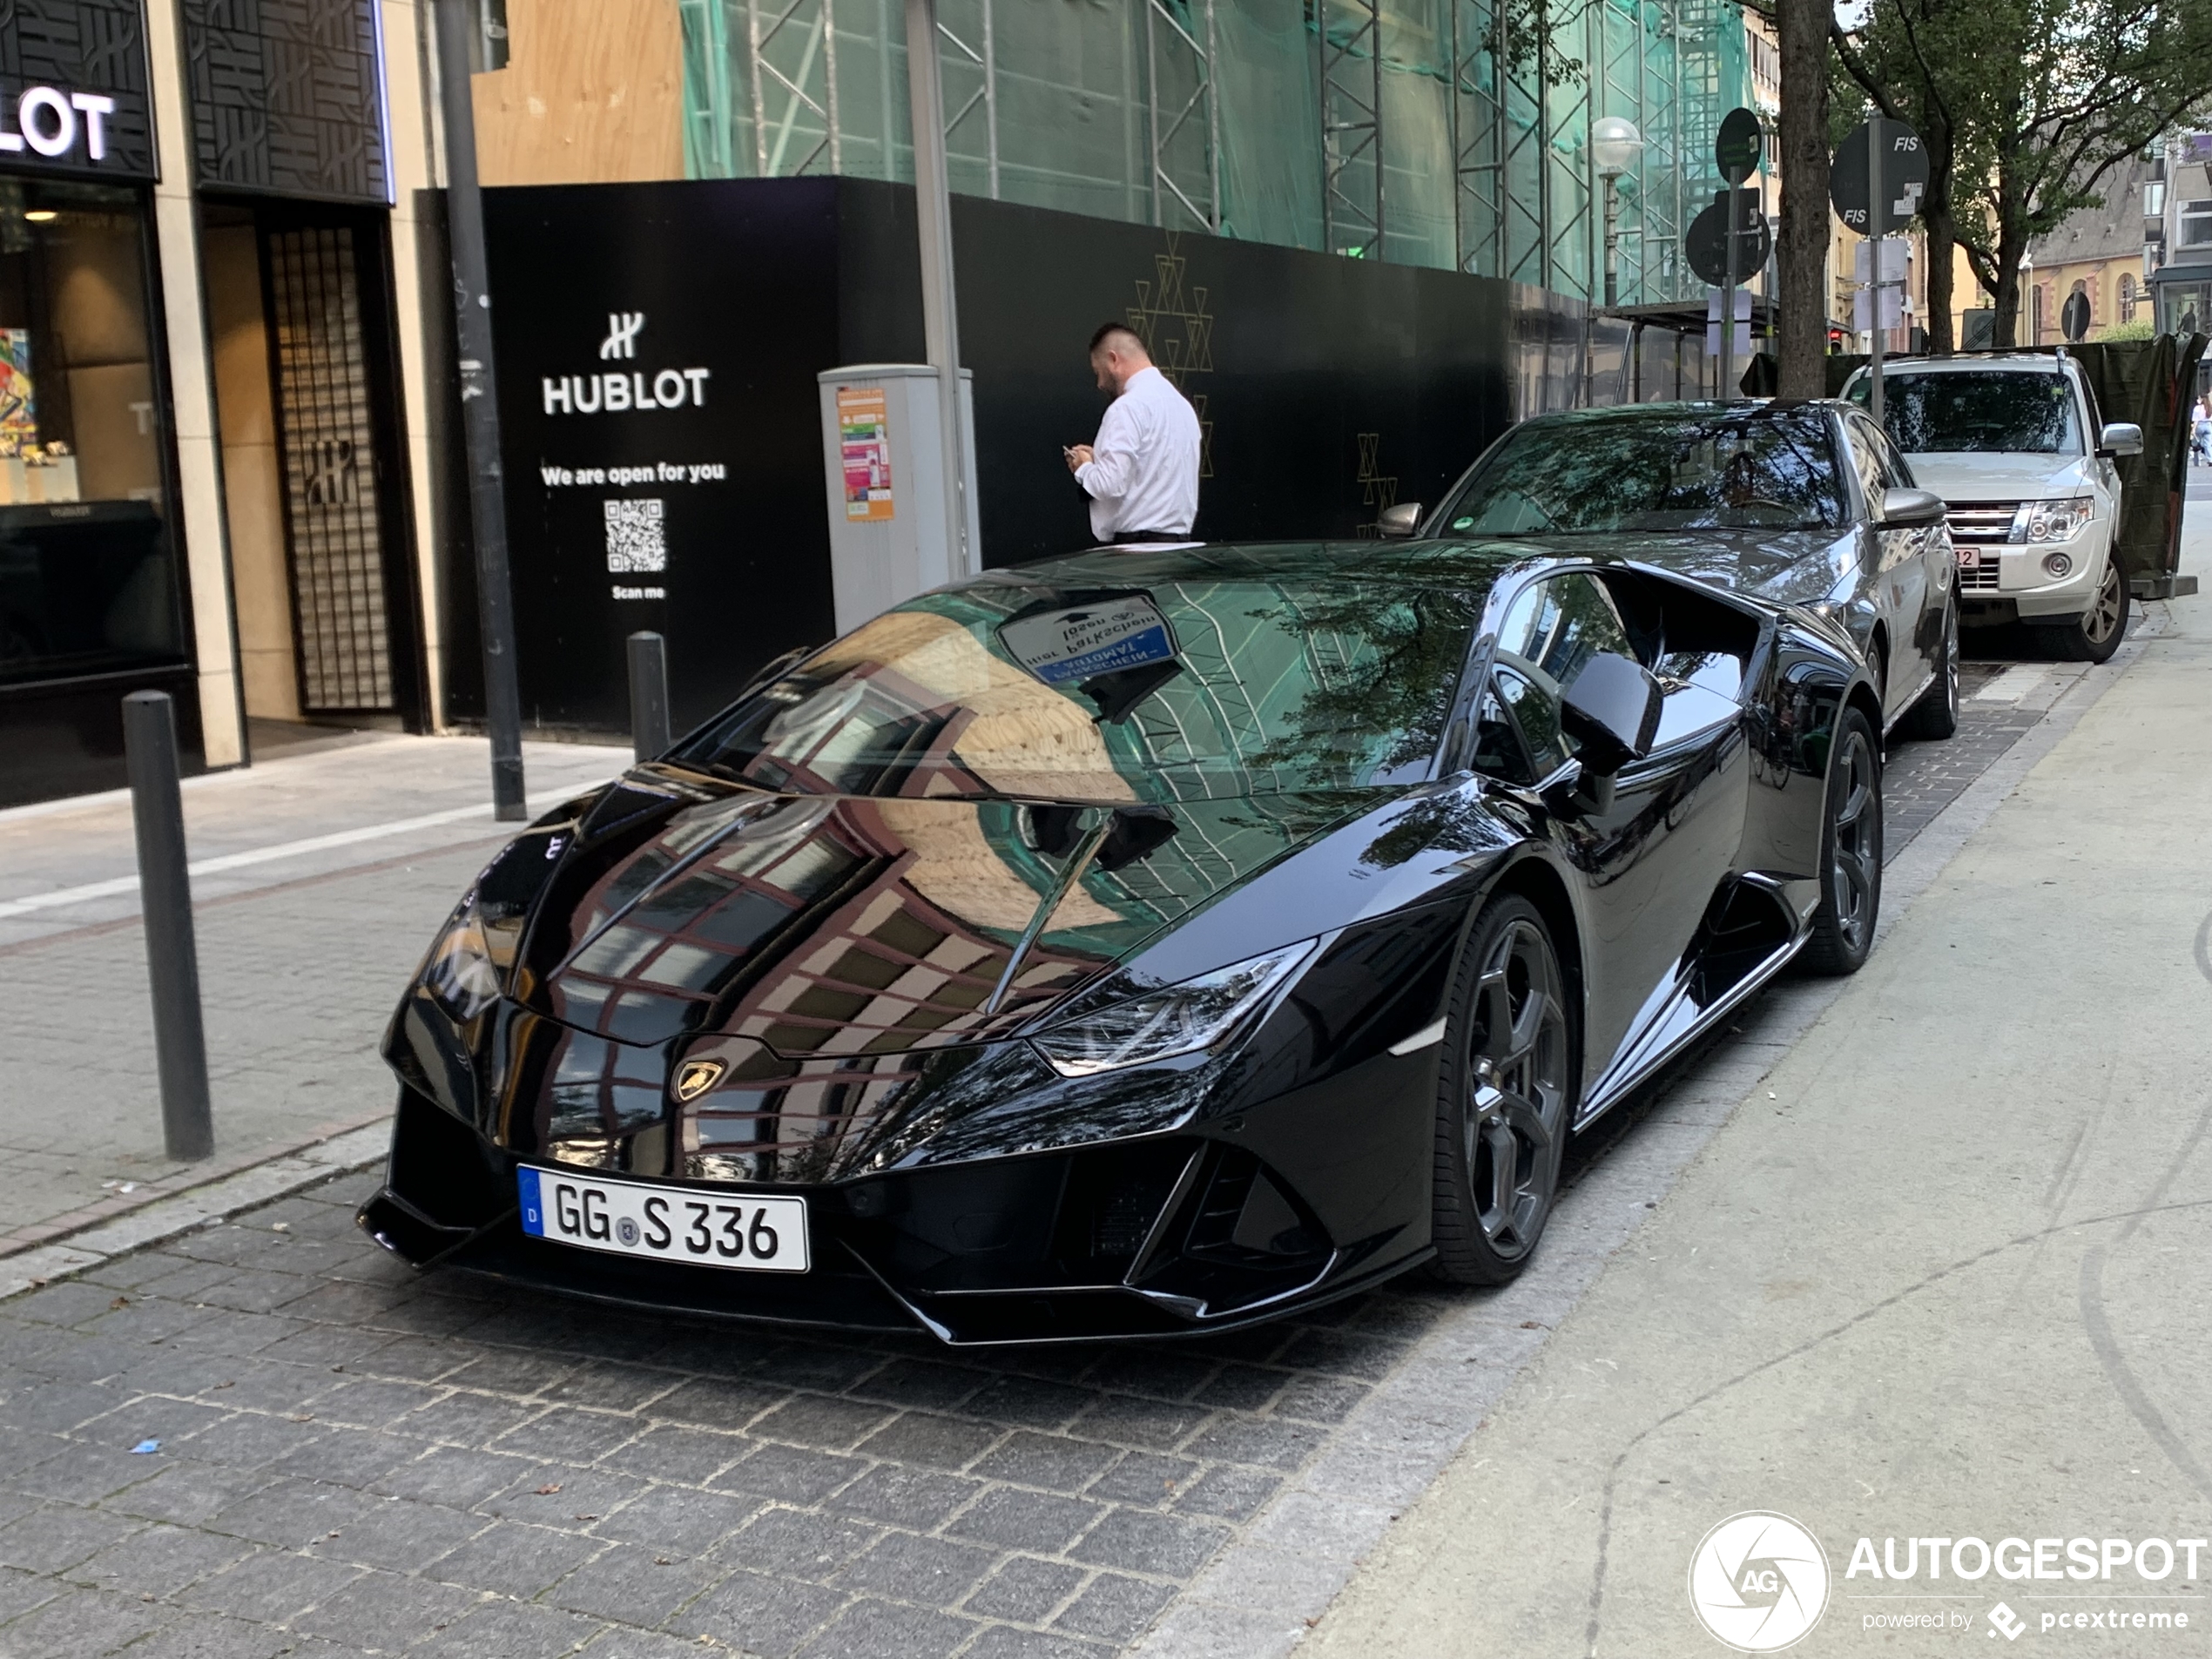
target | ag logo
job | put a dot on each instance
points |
(1759, 1582)
(695, 1077)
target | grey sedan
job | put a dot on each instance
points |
(1805, 504)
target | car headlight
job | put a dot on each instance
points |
(2052, 520)
(469, 965)
(1178, 1020)
(467, 968)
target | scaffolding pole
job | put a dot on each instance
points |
(986, 96)
(812, 25)
(1352, 129)
(1478, 117)
(1168, 42)
(707, 149)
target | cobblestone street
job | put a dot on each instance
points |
(348, 1456)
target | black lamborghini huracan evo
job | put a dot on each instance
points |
(1144, 942)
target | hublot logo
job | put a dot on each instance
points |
(616, 390)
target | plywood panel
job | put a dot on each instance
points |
(593, 93)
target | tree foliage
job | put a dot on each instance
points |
(2026, 107)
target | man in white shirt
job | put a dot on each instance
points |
(1142, 472)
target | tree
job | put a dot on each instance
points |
(1801, 250)
(2025, 108)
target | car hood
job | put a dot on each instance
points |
(842, 925)
(1786, 567)
(1982, 477)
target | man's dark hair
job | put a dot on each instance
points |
(1106, 330)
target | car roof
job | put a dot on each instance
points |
(2005, 362)
(1619, 412)
(1468, 566)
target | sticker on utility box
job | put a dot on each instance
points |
(1058, 646)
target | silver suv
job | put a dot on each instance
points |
(2013, 443)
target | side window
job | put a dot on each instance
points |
(1895, 473)
(1557, 625)
(1499, 752)
(2096, 425)
(1536, 712)
(1861, 439)
(1550, 631)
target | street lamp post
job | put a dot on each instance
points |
(1614, 143)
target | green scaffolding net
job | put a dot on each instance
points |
(1450, 133)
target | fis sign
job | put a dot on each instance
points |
(613, 391)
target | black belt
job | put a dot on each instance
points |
(1123, 538)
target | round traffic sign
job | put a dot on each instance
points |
(1904, 176)
(1736, 149)
(1706, 243)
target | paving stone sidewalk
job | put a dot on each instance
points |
(302, 959)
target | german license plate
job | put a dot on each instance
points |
(707, 1229)
(1969, 556)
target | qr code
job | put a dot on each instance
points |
(635, 540)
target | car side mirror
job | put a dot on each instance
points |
(1612, 713)
(1907, 509)
(2121, 438)
(1402, 520)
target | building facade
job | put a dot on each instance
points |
(207, 485)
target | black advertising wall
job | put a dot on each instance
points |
(1329, 387)
(634, 284)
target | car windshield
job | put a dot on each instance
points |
(1655, 470)
(1978, 411)
(1163, 691)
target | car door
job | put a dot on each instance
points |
(1651, 857)
(1938, 559)
(1899, 581)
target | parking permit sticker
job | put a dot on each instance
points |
(1087, 640)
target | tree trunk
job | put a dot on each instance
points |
(2005, 326)
(1801, 252)
(1935, 217)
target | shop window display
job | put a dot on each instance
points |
(88, 581)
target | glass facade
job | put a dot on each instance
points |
(1448, 133)
(87, 579)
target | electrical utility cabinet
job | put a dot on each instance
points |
(883, 460)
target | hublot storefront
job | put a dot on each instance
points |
(93, 589)
(203, 487)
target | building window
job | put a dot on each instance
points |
(2127, 297)
(2196, 224)
(87, 579)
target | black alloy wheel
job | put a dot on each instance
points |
(1936, 715)
(1508, 1087)
(1851, 852)
(2096, 633)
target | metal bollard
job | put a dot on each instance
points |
(165, 899)
(648, 734)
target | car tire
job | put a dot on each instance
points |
(1506, 1092)
(2096, 633)
(1851, 852)
(1936, 715)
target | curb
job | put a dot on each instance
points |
(196, 1207)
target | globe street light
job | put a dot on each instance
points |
(1614, 143)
